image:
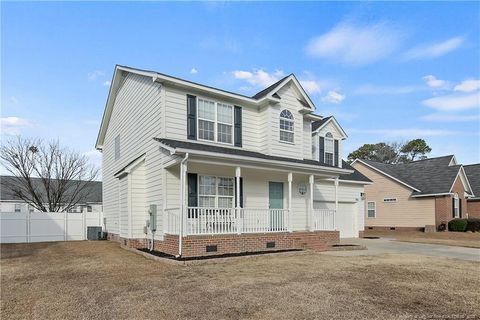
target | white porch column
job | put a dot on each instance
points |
(290, 213)
(183, 196)
(238, 172)
(336, 205)
(311, 180)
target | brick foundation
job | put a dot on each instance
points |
(195, 246)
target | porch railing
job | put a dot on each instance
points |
(323, 219)
(201, 220)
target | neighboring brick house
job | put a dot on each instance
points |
(419, 195)
(473, 203)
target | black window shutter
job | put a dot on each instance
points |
(321, 150)
(459, 208)
(237, 126)
(191, 117)
(335, 155)
(453, 207)
(192, 190)
(241, 192)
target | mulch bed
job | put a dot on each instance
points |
(216, 256)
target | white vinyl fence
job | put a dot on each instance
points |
(19, 227)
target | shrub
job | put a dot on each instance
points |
(459, 225)
(473, 224)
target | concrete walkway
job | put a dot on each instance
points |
(388, 245)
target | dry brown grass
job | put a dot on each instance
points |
(86, 280)
(459, 239)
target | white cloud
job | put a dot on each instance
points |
(369, 89)
(453, 102)
(259, 78)
(434, 50)
(107, 83)
(405, 133)
(14, 99)
(94, 75)
(442, 117)
(311, 86)
(193, 71)
(333, 97)
(435, 83)
(468, 86)
(13, 125)
(355, 45)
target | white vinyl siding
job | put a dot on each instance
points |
(117, 147)
(137, 117)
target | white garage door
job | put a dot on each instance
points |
(346, 220)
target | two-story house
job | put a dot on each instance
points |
(194, 170)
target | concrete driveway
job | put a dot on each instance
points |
(386, 245)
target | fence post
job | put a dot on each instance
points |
(65, 226)
(27, 217)
(84, 218)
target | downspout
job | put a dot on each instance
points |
(182, 203)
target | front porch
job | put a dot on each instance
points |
(221, 198)
(220, 221)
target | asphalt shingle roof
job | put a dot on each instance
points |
(317, 124)
(268, 89)
(355, 176)
(95, 196)
(232, 151)
(473, 175)
(430, 176)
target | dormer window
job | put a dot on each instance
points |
(329, 148)
(286, 126)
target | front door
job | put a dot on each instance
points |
(275, 204)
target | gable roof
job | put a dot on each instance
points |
(93, 196)
(317, 125)
(355, 176)
(473, 175)
(270, 88)
(268, 94)
(431, 176)
(172, 145)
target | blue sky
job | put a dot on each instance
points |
(387, 71)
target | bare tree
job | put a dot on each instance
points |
(45, 175)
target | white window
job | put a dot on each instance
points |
(371, 209)
(215, 121)
(329, 148)
(117, 147)
(389, 200)
(456, 206)
(215, 192)
(18, 207)
(287, 126)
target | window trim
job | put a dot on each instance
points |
(292, 120)
(456, 206)
(216, 196)
(332, 140)
(216, 121)
(374, 209)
